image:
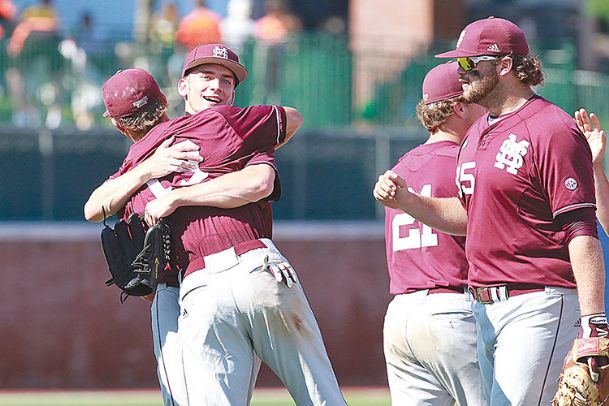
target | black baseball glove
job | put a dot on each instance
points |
(135, 257)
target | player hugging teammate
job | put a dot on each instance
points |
(233, 278)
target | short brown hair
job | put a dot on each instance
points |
(435, 114)
(528, 69)
(145, 119)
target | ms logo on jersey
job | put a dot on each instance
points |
(511, 154)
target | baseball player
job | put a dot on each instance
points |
(230, 304)
(135, 120)
(526, 186)
(428, 269)
(213, 229)
(113, 194)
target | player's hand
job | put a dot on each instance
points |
(391, 190)
(594, 326)
(157, 209)
(181, 157)
(282, 271)
(590, 125)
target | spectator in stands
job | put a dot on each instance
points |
(88, 37)
(334, 25)
(238, 26)
(200, 26)
(34, 52)
(164, 25)
(163, 39)
(7, 14)
(38, 20)
(277, 23)
(272, 33)
(85, 53)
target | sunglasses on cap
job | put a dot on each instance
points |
(469, 62)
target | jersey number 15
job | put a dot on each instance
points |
(466, 181)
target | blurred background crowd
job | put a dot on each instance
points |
(54, 61)
(352, 67)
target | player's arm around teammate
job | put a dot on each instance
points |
(251, 184)
(114, 193)
(202, 86)
(590, 125)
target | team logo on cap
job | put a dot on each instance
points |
(571, 184)
(511, 154)
(220, 52)
(141, 102)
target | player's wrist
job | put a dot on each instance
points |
(178, 198)
(593, 325)
(145, 171)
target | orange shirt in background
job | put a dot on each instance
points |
(200, 26)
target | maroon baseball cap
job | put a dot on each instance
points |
(216, 54)
(441, 83)
(490, 36)
(129, 90)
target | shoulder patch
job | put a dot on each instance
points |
(571, 184)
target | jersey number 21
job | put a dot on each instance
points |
(419, 235)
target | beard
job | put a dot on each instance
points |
(482, 87)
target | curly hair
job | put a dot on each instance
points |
(528, 69)
(435, 114)
(144, 120)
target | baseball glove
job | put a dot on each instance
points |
(577, 386)
(135, 257)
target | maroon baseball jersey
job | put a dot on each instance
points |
(419, 257)
(230, 138)
(515, 176)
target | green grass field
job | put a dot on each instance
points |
(262, 397)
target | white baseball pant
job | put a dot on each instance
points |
(430, 350)
(165, 311)
(522, 343)
(234, 307)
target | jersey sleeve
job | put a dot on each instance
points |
(565, 169)
(259, 127)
